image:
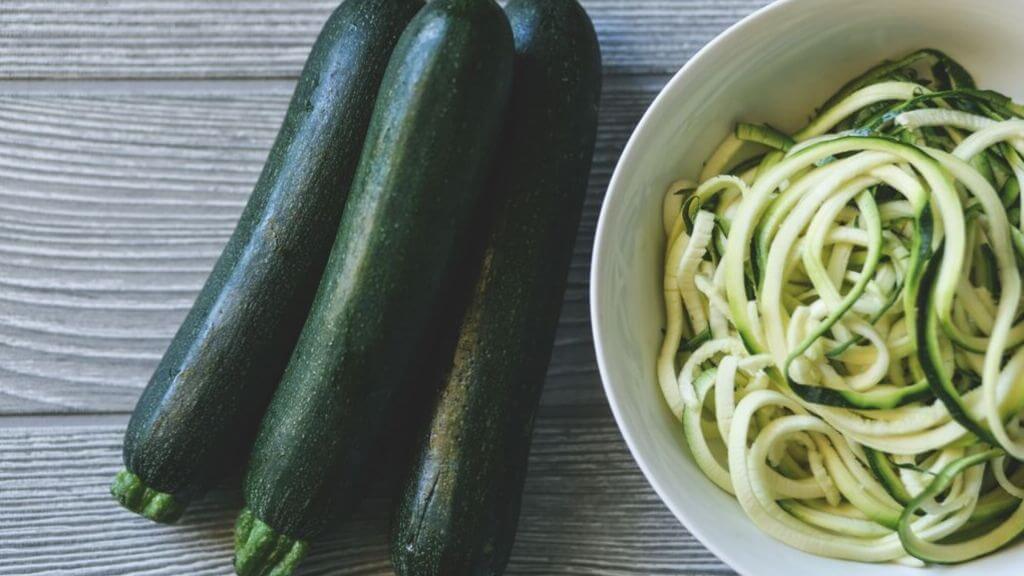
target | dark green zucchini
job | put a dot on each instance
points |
(197, 417)
(432, 139)
(458, 512)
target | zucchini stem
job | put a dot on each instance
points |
(261, 551)
(134, 495)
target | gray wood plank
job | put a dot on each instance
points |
(587, 511)
(270, 38)
(113, 209)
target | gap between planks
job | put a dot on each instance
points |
(45, 421)
(74, 86)
(50, 421)
(217, 86)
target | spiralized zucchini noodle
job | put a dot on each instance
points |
(845, 340)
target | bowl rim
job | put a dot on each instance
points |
(597, 264)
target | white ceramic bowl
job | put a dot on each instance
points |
(775, 66)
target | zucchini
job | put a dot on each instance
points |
(887, 476)
(765, 135)
(1006, 531)
(200, 409)
(863, 374)
(431, 141)
(458, 511)
(930, 355)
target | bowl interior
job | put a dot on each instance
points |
(775, 66)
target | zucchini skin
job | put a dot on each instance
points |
(432, 139)
(197, 417)
(458, 512)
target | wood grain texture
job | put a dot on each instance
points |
(587, 511)
(116, 198)
(270, 38)
(113, 209)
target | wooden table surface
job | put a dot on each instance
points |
(131, 133)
